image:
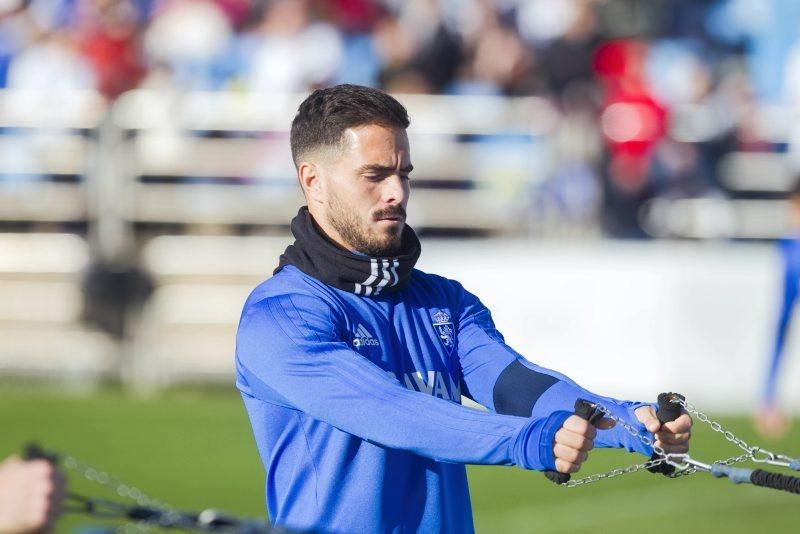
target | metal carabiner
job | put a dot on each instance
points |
(684, 461)
(678, 461)
(767, 456)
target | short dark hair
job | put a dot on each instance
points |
(323, 117)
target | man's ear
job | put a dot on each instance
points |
(310, 181)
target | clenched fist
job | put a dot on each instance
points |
(31, 493)
(673, 436)
(574, 440)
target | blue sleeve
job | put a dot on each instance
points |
(499, 378)
(791, 274)
(288, 347)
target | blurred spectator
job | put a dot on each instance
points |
(15, 31)
(623, 68)
(50, 62)
(417, 51)
(567, 61)
(183, 42)
(632, 122)
(501, 62)
(547, 20)
(108, 34)
(288, 51)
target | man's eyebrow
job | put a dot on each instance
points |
(376, 167)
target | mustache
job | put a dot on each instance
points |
(391, 211)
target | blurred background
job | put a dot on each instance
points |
(609, 176)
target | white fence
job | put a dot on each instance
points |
(627, 319)
(634, 319)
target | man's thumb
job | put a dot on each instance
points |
(647, 416)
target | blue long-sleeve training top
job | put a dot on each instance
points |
(355, 403)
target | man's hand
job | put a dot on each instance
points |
(30, 495)
(673, 436)
(574, 440)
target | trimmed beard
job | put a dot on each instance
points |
(347, 224)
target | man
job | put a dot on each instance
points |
(31, 493)
(770, 421)
(352, 363)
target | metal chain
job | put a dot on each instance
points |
(613, 473)
(749, 453)
(631, 430)
(621, 470)
(122, 489)
(716, 427)
(753, 453)
(118, 486)
(148, 512)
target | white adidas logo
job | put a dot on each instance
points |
(364, 338)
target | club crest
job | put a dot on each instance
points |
(446, 331)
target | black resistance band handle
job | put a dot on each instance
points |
(585, 410)
(33, 451)
(757, 477)
(667, 411)
(777, 481)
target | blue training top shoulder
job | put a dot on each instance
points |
(355, 403)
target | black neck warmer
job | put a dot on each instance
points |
(317, 256)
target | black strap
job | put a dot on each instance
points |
(33, 451)
(777, 481)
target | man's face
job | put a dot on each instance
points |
(365, 189)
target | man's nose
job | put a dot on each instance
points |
(395, 189)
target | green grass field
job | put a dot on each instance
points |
(193, 449)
